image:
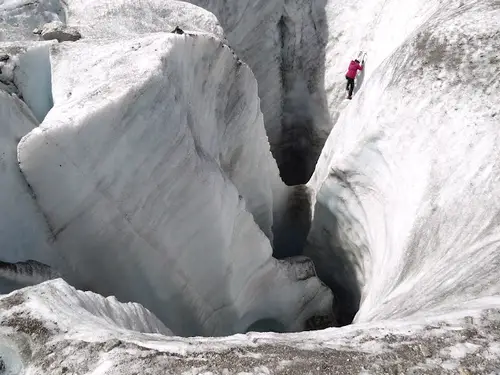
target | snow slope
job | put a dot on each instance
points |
(406, 214)
(164, 190)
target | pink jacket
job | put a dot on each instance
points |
(353, 69)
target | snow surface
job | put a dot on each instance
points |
(86, 314)
(52, 326)
(157, 199)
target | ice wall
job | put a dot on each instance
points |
(406, 215)
(23, 231)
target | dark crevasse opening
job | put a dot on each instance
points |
(292, 226)
(334, 265)
(305, 125)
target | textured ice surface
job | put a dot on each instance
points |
(406, 216)
(299, 52)
(95, 315)
(164, 191)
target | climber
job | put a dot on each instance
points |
(354, 66)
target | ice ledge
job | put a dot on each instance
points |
(51, 327)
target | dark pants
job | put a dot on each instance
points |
(350, 85)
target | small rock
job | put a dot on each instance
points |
(4, 57)
(61, 32)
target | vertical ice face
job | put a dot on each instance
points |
(164, 189)
(406, 219)
(283, 42)
(23, 231)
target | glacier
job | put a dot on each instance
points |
(153, 202)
